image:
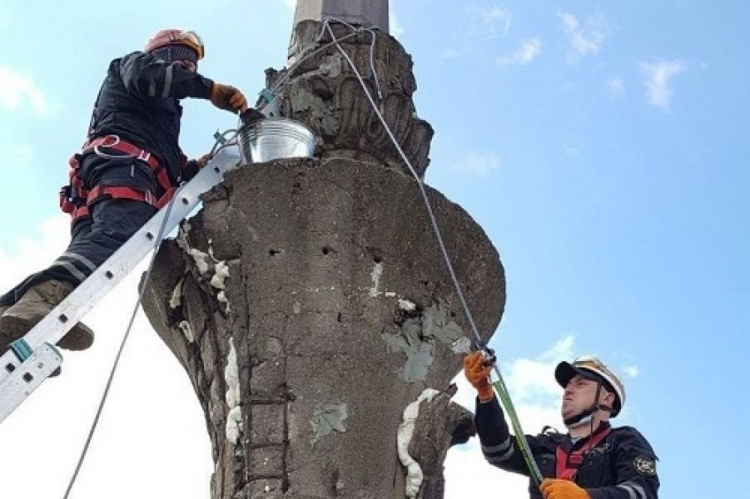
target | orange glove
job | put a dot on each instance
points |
(562, 489)
(479, 375)
(228, 98)
(203, 160)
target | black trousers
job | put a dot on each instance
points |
(110, 225)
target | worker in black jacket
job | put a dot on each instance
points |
(593, 460)
(127, 169)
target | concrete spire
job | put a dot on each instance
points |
(374, 12)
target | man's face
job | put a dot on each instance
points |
(579, 395)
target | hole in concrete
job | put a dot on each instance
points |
(339, 318)
(328, 249)
(274, 252)
(376, 253)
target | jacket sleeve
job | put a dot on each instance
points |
(634, 469)
(499, 447)
(148, 77)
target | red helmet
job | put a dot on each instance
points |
(168, 37)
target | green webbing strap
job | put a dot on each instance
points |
(502, 391)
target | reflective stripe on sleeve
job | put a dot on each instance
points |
(167, 82)
(634, 491)
(506, 448)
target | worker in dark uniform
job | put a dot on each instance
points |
(127, 169)
(593, 460)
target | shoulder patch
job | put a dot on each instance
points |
(644, 466)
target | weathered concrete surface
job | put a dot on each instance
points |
(303, 377)
(324, 93)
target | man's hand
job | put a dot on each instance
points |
(478, 375)
(228, 98)
(562, 489)
(203, 160)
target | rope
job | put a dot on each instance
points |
(355, 31)
(158, 240)
(499, 384)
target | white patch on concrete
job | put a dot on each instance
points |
(414, 475)
(390, 294)
(461, 345)
(221, 272)
(296, 308)
(406, 305)
(222, 297)
(176, 299)
(206, 263)
(187, 331)
(377, 271)
(201, 260)
(232, 378)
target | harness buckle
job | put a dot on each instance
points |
(104, 143)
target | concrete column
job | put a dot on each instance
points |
(367, 12)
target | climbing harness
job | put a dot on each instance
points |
(569, 462)
(499, 384)
(75, 199)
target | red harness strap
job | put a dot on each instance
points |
(76, 199)
(568, 463)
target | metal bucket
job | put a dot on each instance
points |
(275, 138)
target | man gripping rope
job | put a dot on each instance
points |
(593, 460)
(128, 168)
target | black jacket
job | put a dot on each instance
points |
(622, 466)
(139, 102)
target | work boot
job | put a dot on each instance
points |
(33, 306)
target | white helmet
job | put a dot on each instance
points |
(591, 367)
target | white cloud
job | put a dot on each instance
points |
(291, 4)
(495, 20)
(528, 51)
(658, 76)
(482, 164)
(17, 88)
(584, 38)
(616, 87)
(631, 371)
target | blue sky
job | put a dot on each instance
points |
(603, 148)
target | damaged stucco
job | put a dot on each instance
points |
(419, 335)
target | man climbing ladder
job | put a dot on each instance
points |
(128, 168)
